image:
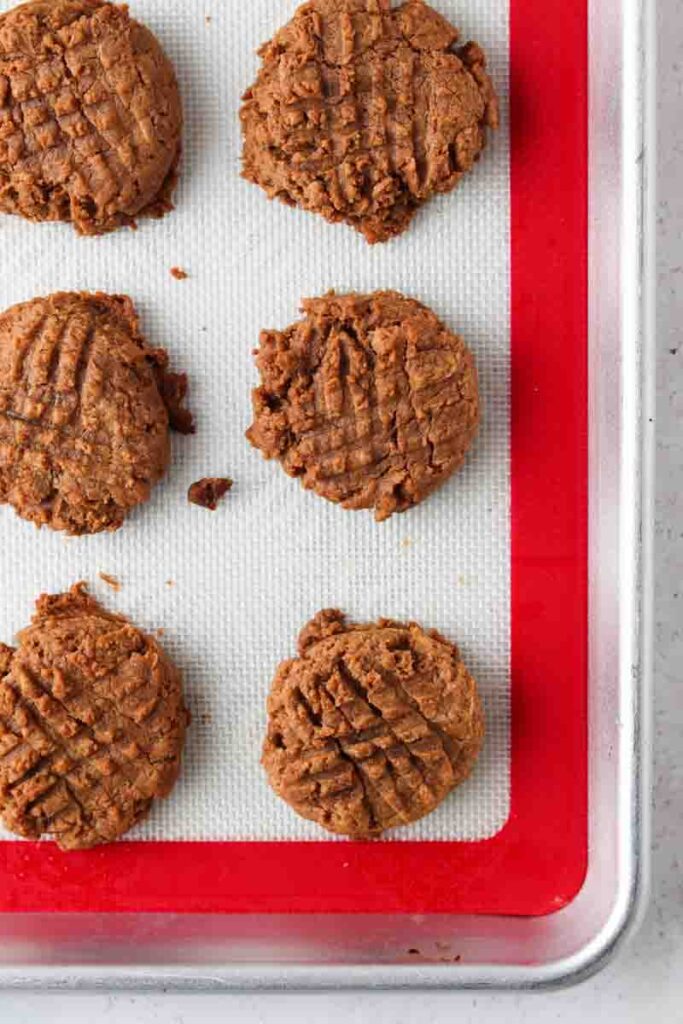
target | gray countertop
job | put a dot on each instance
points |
(646, 980)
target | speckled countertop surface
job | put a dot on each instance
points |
(646, 981)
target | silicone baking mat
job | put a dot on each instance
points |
(496, 560)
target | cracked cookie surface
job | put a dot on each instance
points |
(85, 407)
(370, 400)
(92, 724)
(90, 116)
(362, 111)
(372, 726)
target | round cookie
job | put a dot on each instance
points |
(372, 726)
(92, 724)
(90, 116)
(83, 411)
(370, 400)
(362, 112)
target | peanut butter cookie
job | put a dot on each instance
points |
(370, 400)
(92, 724)
(362, 111)
(372, 726)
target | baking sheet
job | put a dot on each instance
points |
(232, 589)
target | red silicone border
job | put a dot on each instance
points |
(537, 863)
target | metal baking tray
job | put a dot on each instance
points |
(439, 949)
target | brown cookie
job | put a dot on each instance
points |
(370, 400)
(372, 726)
(362, 112)
(90, 116)
(83, 411)
(92, 724)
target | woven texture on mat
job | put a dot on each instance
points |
(232, 589)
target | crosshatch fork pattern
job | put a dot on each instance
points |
(354, 127)
(369, 400)
(232, 589)
(80, 127)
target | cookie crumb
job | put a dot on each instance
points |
(110, 580)
(208, 19)
(170, 583)
(179, 273)
(407, 543)
(208, 492)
